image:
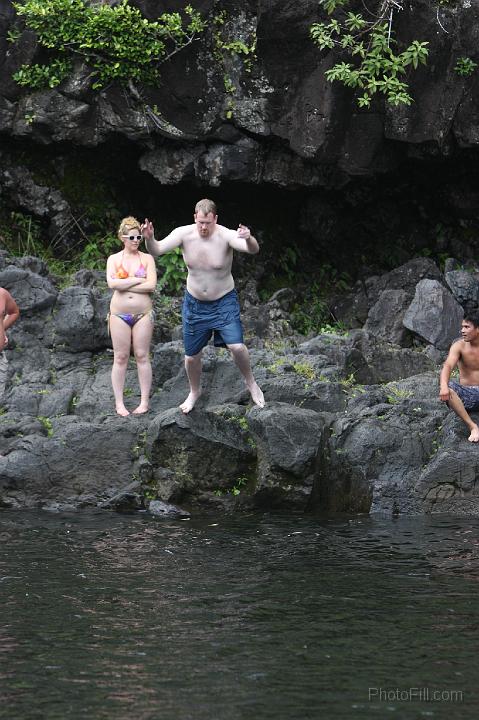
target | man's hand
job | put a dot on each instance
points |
(243, 232)
(445, 394)
(147, 230)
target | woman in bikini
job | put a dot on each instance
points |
(132, 276)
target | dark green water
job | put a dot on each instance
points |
(130, 617)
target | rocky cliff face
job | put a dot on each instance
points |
(352, 422)
(350, 175)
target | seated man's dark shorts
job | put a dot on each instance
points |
(202, 318)
(469, 394)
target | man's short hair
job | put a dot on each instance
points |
(472, 317)
(206, 206)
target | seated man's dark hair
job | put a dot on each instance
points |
(472, 317)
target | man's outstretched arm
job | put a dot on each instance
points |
(243, 241)
(160, 247)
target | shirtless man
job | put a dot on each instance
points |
(9, 313)
(463, 395)
(211, 301)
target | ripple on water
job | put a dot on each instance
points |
(244, 617)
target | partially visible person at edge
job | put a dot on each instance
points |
(463, 396)
(211, 302)
(132, 276)
(9, 313)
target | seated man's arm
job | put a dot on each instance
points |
(451, 362)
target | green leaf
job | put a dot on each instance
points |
(126, 46)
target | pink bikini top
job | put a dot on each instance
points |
(121, 273)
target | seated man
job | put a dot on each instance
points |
(463, 396)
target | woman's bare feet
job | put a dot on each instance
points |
(190, 401)
(121, 410)
(142, 408)
(256, 394)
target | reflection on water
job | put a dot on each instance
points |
(107, 616)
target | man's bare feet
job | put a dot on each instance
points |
(142, 408)
(474, 436)
(121, 410)
(256, 394)
(190, 401)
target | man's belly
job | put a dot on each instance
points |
(209, 286)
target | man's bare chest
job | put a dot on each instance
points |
(470, 360)
(207, 255)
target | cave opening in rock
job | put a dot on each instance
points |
(428, 206)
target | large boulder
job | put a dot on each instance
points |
(80, 319)
(385, 319)
(434, 314)
(30, 290)
(449, 482)
(403, 278)
(376, 449)
(288, 440)
(464, 286)
(204, 451)
(68, 460)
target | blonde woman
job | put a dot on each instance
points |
(132, 276)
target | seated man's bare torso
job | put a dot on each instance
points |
(468, 363)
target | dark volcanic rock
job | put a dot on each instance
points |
(72, 460)
(31, 291)
(320, 135)
(465, 288)
(434, 314)
(165, 510)
(80, 320)
(351, 421)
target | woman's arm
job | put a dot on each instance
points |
(120, 284)
(148, 284)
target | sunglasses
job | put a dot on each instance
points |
(133, 237)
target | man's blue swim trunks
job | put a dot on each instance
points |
(469, 394)
(201, 318)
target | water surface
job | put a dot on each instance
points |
(244, 617)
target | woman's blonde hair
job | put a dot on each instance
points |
(127, 224)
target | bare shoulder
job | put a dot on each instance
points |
(225, 233)
(224, 230)
(185, 231)
(464, 352)
(115, 256)
(146, 258)
(457, 347)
